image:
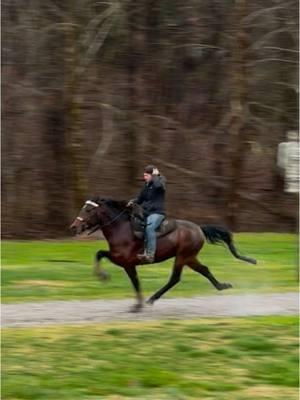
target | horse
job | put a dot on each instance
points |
(113, 217)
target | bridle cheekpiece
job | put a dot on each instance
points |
(92, 203)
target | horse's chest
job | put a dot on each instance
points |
(122, 255)
(120, 259)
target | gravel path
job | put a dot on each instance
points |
(78, 312)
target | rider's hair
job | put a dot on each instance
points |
(149, 169)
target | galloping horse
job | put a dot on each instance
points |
(184, 242)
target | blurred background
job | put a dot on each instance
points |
(92, 91)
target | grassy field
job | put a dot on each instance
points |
(47, 270)
(234, 359)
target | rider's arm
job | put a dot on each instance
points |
(159, 181)
(138, 200)
(140, 197)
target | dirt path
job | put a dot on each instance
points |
(78, 312)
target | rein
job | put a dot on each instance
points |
(114, 219)
(99, 226)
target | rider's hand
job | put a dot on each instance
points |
(130, 203)
(155, 171)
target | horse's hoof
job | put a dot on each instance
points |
(136, 308)
(225, 286)
(150, 301)
(103, 276)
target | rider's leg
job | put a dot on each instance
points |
(153, 222)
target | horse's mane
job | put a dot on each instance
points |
(114, 205)
(118, 205)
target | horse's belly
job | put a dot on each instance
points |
(126, 256)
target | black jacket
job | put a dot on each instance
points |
(152, 196)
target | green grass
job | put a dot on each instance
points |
(47, 270)
(220, 359)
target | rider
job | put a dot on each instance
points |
(152, 199)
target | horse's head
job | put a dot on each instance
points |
(97, 213)
(88, 217)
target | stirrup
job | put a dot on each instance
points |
(146, 258)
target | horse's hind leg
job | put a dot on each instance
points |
(98, 270)
(203, 270)
(174, 279)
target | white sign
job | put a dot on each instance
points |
(288, 161)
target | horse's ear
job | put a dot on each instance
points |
(97, 199)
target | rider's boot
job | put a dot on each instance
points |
(146, 257)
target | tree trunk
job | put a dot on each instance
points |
(75, 136)
(236, 131)
(133, 64)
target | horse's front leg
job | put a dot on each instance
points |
(98, 270)
(133, 276)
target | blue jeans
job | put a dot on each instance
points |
(153, 222)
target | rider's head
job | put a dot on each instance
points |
(148, 171)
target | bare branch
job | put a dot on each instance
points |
(256, 103)
(94, 46)
(198, 45)
(287, 85)
(108, 133)
(55, 9)
(253, 63)
(59, 25)
(175, 166)
(266, 37)
(281, 49)
(92, 25)
(261, 13)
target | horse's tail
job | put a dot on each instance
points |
(215, 235)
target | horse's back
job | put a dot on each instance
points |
(182, 224)
(190, 227)
(187, 224)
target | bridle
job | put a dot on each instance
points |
(95, 205)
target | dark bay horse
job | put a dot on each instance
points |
(184, 243)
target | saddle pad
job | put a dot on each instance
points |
(167, 226)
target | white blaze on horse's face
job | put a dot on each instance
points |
(85, 209)
(92, 203)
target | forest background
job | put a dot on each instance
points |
(92, 91)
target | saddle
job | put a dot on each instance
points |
(138, 224)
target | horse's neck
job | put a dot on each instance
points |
(117, 231)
